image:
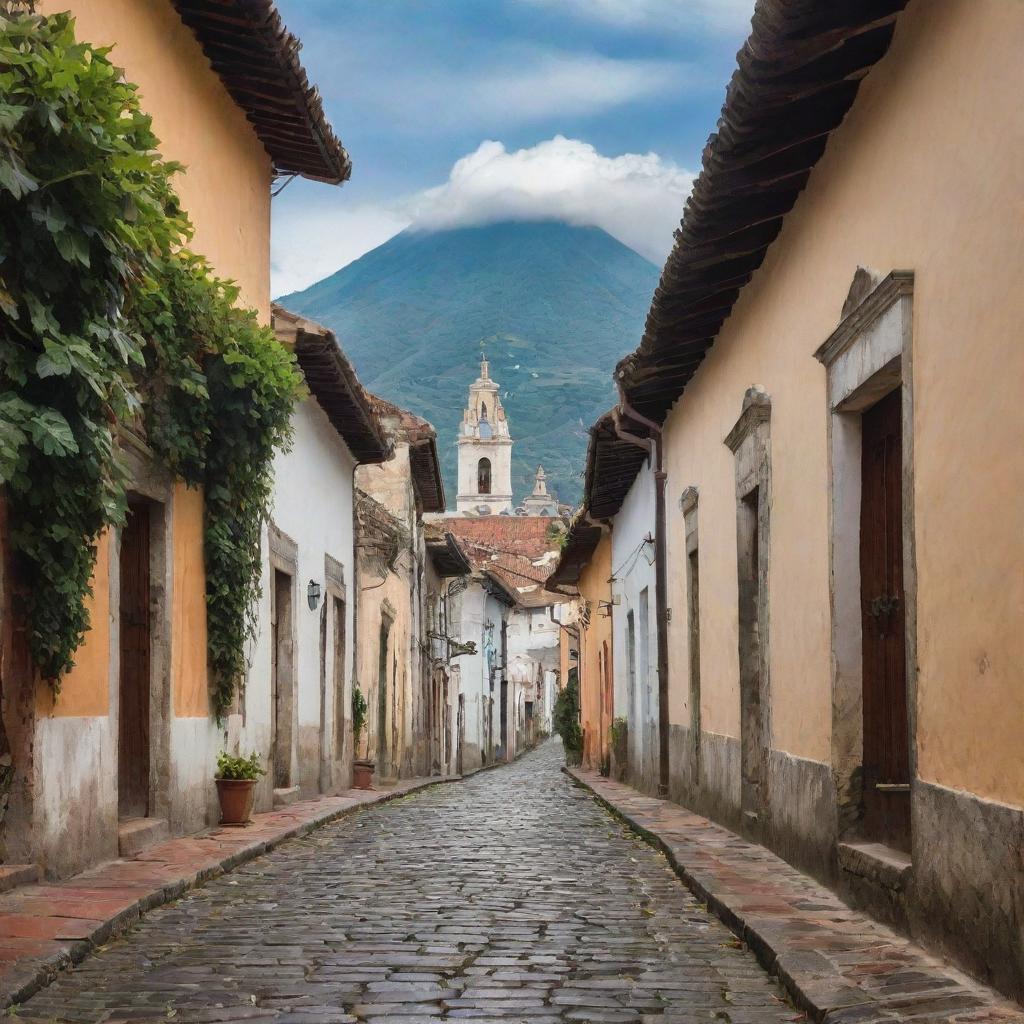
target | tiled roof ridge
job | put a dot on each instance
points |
(257, 59)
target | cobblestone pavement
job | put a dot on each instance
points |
(509, 897)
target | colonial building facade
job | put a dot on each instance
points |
(127, 752)
(825, 388)
(404, 659)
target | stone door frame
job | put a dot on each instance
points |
(868, 356)
(150, 481)
(750, 442)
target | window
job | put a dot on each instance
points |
(483, 476)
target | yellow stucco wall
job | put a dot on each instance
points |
(85, 691)
(925, 174)
(595, 588)
(226, 185)
(188, 607)
(397, 592)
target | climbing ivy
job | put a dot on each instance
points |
(105, 320)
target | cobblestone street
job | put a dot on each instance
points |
(511, 896)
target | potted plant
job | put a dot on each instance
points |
(236, 780)
(362, 768)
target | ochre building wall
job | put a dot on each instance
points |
(85, 690)
(874, 199)
(226, 183)
(594, 588)
(924, 175)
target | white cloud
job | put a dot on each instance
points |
(637, 197)
(709, 16)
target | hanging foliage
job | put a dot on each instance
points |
(105, 318)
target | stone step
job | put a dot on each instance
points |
(135, 834)
(13, 875)
(284, 797)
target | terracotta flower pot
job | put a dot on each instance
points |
(362, 774)
(236, 799)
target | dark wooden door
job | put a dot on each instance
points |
(504, 717)
(382, 698)
(282, 680)
(338, 607)
(460, 729)
(883, 611)
(133, 706)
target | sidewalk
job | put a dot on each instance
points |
(47, 928)
(838, 965)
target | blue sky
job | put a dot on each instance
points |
(462, 111)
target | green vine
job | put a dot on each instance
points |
(105, 320)
(359, 709)
(566, 718)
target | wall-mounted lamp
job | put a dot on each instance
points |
(313, 594)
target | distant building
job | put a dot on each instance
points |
(485, 459)
(485, 451)
(539, 503)
(403, 581)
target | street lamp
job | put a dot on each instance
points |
(313, 595)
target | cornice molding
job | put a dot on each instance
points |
(894, 286)
(688, 500)
(757, 409)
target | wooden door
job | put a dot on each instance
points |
(607, 700)
(382, 696)
(282, 680)
(134, 684)
(460, 730)
(504, 718)
(883, 611)
(340, 711)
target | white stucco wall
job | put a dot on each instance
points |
(312, 505)
(480, 622)
(633, 570)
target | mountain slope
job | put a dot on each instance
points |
(554, 306)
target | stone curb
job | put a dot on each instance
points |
(815, 986)
(25, 978)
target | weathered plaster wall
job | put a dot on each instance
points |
(226, 184)
(74, 808)
(633, 568)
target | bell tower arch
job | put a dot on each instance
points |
(485, 451)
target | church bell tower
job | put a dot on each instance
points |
(485, 451)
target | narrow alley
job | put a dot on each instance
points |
(511, 896)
